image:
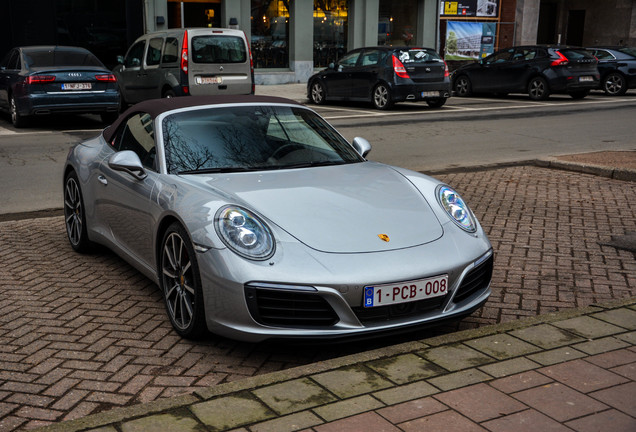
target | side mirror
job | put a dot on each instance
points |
(362, 146)
(135, 62)
(120, 59)
(332, 65)
(127, 161)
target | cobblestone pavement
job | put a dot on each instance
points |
(81, 334)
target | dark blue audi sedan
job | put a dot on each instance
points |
(41, 80)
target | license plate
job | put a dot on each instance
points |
(209, 80)
(388, 294)
(586, 79)
(430, 94)
(77, 86)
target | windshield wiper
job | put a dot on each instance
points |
(221, 170)
(313, 164)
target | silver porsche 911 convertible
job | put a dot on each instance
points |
(258, 220)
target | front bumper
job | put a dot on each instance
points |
(312, 295)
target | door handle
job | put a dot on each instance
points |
(102, 180)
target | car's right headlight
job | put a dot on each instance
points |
(244, 233)
(456, 208)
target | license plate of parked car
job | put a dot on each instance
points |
(77, 86)
(430, 94)
(388, 294)
(585, 78)
(209, 80)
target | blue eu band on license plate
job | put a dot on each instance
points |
(388, 294)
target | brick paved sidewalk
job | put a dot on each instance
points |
(84, 334)
(573, 371)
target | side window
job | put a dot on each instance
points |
(370, 57)
(170, 50)
(135, 54)
(137, 134)
(349, 60)
(11, 61)
(499, 57)
(153, 57)
(603, 55)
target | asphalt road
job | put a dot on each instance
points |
(465, 132)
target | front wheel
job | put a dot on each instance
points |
(382, 99)
(317, 93)
(168, 94)
(181, 283)
(75, 215)
(614, 84)
(538, 89)
(436, 103)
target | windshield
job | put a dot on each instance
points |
(251, 138)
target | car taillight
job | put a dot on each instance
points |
(106, 78)
(184, 53)
(399, 68)
(561, 61)
(446, 71)
(40, 79)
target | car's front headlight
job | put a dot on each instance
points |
(244, 233)
(456, 208)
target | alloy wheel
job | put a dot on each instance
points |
(73, 212)
(178, 281)
(381, 97)
(317, 93)
(462, 86)
(538, 89)
(614, 85)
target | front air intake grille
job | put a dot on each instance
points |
(401, 310)
(475, 280)
(286, 308)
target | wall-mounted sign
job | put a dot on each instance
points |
(470, 8)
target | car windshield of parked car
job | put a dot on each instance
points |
(251, 138)
(417, 55)
(58, 57)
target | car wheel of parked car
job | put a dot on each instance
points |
(538, 89)
(614, 84)
(579, 94)
(463, 87)
(318, 93)
(16, 119)
(181, 283)
(436, 103)
(168, 94)
(74, 215)
(382, 97)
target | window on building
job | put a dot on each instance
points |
(270, 33)
(331, 19)
(397, 22)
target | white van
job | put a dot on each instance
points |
(181, 62)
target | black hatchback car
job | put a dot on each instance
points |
(536, 70)
(617, 66)
(41, 80)
(383, 76)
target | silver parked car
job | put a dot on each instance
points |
(184, 62)
(258, 220)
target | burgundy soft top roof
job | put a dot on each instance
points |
(155, 107)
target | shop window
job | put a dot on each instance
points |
(397, 23)
(331, 19)
(270, 33)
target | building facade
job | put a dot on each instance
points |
(291, 38)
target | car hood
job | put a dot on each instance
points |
(354, 208)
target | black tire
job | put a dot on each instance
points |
(538, 89)
(436, 103)
(463, 86)
(168, 94)
(17, 119)
(579, 94)
(75, 215)
(614, 84)
(180, 283)
(317, 93)
(381, 97)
